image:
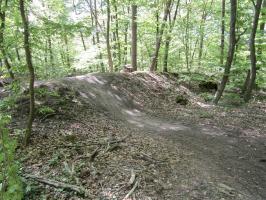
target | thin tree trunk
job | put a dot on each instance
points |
(30, 68)
(118, 42)
(134, 38)
(109, 53)
(222, 33)
(18, 56)
(202, 30)
(51, 56)
(126, 39)
(252, 48)
(169, 38)
(83, 41)
(2, 41)
(153, 66)
(67, 51)
(187, 36)
(244, 89)
(262, 27)
(231, 51)
(92, 21)
(80, 32)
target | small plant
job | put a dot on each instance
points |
(45, 110)
(206, 96)
(10, 183)
(43, 92)
(233, 100)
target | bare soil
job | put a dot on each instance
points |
(106, 128)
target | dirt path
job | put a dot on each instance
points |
(213, 163)
(232, 164)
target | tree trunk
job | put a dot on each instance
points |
(202, 30)
(51, 55)
(118, 42)
(262, 27)
(30, 68)
(67, 51)
(134, 38)
(222, 33)
(244, 89)
(2, 40)
(252, 48)
(17, 53)
(231, 51)
(126, 38)
(83, 41)
(169, 38)
(153, 66)
(187, 36)
(109, 53)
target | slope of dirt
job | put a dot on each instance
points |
(107, 127)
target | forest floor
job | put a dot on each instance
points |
(123, 136)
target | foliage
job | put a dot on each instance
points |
(44, 110)
(10, 183)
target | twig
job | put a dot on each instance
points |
(94, 154)
(131, 191)
(57, 184)
(113, 147)
(132, 178)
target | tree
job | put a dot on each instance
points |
(3, 7)
(109, 53)
(231, 51)
(169, 37)
(153, 66)
(27, 49)
(134, 38)
(222, 33)
(252, 48)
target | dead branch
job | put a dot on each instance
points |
(79, 190)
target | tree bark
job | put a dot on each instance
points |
(252, 48)
(109, 53)
(30, 68)
(222, 33)
(231, 52)
(153, 66)
(134, 38)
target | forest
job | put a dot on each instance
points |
(132, 99)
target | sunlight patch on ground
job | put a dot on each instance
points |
(90, 79)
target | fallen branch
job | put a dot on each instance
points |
(57, 184)
(93, 143)
(131, 191)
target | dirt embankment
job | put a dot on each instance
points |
(105, 129)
